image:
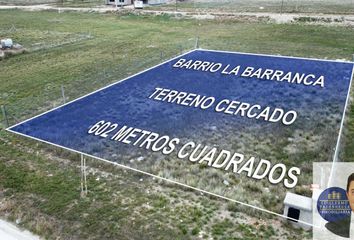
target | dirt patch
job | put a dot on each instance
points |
(4, 53)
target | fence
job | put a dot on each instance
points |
(116, 66)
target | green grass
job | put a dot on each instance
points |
(277, 6)
(108, 212)
(66, 3)
(25, 2)
(84, 52)
(87, 51)
(348, 146)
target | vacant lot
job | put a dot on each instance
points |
(39, 185)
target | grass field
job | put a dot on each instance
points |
(39, 184)
(55, 2)
(278, 6)
(26, 2)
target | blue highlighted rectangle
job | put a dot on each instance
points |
(254, 110)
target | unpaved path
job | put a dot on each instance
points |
(9, 231)
(42, 7)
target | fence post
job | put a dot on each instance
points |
(83, 176)
(3, 110)
(282, 5)
(297, 5)
(196, 42)
(63, 93)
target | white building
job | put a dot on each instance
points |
(129, 2)
(119, 2)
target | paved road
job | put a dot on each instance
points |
(9, 231)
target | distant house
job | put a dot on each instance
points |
(129, 2)
(119, 2)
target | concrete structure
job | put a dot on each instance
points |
(6, 43)
(138, 4)
(298, 207)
